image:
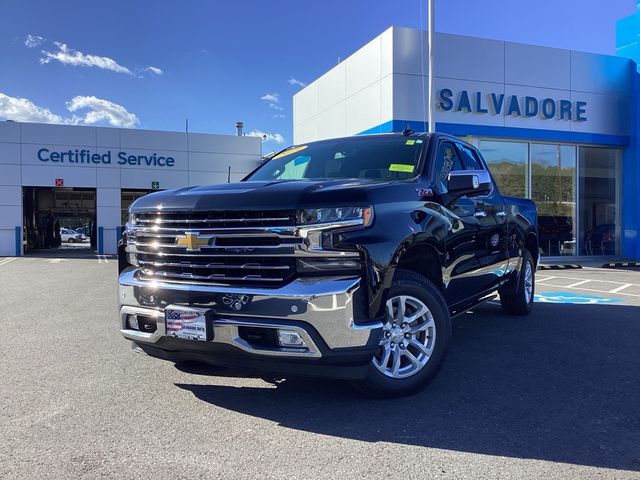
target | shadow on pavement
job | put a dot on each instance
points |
(561, 385)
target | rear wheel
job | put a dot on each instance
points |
(521, 302)
(414, 341)
(70, 240)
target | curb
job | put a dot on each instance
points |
(559, 267)
(621, 264)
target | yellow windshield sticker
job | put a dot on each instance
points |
(410, 142)
(399, 167)
(290, 151)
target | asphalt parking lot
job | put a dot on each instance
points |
(552, 396)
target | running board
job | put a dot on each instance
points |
(487, 298)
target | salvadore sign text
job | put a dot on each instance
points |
(511, 105)
(108, 157)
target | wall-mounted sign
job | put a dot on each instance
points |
(109, 157)
(155, 185)
(59, 182)
(512, 105)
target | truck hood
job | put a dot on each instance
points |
(278, 195)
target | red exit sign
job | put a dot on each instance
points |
(59, 182)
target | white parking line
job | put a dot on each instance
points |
(544, 279)
(102, 259)
(573, 285)
(4, 261)
(619, 289)
(591, 279)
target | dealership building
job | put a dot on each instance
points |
(87, 177)
(558, 126)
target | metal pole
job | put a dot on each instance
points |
(431, 103)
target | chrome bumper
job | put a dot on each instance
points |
(314, 307)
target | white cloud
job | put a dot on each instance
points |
(69, 56)
(271, 98)
(99, 110)
(24, 110)
(154, 70)
(33, 40)
(267, 137)
(294, 81)
(102, 110)
(279, 115)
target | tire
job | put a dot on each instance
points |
(521, 302)
(71, 240)
(420, 344)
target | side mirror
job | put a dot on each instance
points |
(470, 182)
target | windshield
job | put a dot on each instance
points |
(377, 158)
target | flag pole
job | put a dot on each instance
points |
(431, 103)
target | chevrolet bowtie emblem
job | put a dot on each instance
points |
(193, 241)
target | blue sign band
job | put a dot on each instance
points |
(524, 134)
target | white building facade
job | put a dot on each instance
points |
(555, 125)
(106, 162)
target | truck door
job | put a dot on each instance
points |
(461, 262)
(492, 239)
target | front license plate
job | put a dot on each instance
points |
(186, 323)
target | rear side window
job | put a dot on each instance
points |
(447, 161)
(469, 158)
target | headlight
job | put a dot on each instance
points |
(357, 215)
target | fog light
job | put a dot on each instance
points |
(132, 322)
(322, 265)
(290, 338)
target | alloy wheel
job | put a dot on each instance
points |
(408, 338)
(528, 282)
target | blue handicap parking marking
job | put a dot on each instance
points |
(573, 298)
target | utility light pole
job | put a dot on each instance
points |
(431, 105)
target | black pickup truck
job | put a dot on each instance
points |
(344, 258)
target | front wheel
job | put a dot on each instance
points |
(70, 240)
(521, 302)
(414, 341)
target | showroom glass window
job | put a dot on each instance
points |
(508, 163)
(553, 188)
(597, 206)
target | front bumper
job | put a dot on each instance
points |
(329, 313)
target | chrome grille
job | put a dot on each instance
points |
(229, 248)
(216, 219)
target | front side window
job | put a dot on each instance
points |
(447, 161)
(373, 158)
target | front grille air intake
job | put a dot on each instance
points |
(216, 247)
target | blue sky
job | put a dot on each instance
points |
(151, 64)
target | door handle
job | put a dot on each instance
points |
(501, 213)
(480, 213)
